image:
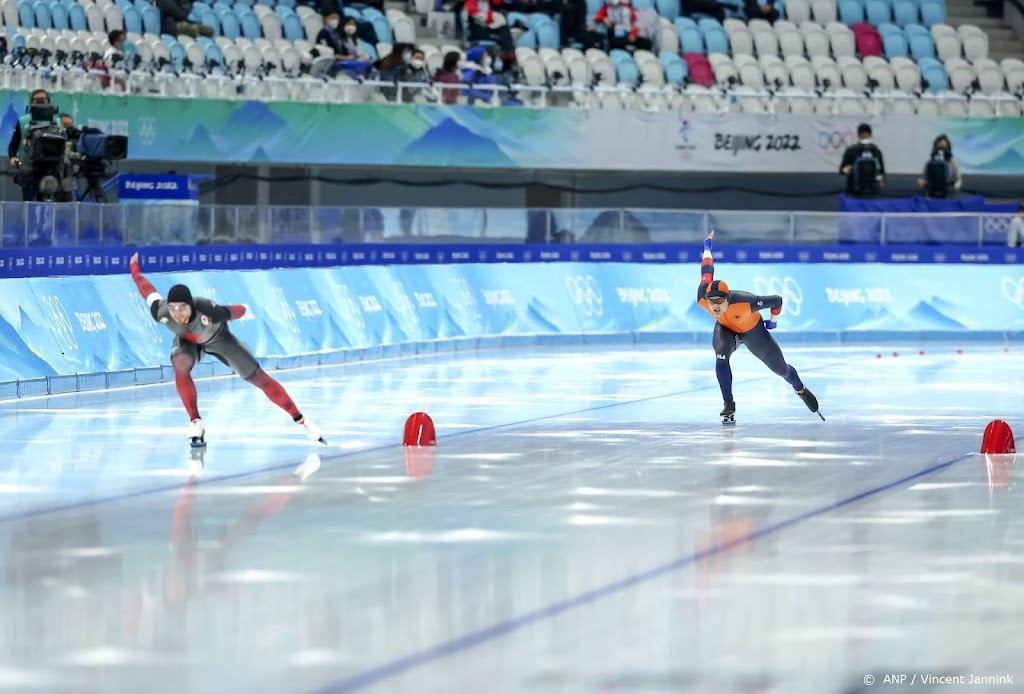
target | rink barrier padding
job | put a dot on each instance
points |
(83, 333)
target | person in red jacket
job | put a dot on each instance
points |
(201, 327)
(739, 322)
(620, 19)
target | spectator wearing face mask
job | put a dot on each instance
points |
(344, 43)
(487, 23)
(941, 176)
(364, 28)
(414, 71)
(449, 74)
(480, 68)
(620, 19)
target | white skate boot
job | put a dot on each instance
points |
(197, 433)
(312, 430)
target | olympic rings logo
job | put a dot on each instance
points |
(1013, 290)
(583, 290)
(63, 330)
(835, 142)
(786, 287)
(354, 314)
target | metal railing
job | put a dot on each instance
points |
(277, 86)
(75, 224)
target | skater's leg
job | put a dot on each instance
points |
(763, 346)
(183, 357)
(275, 391)
(232, 352)
(724, 343)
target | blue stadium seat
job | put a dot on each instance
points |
(877, 12)
(177, 56)
(352, 12)
(592, 7)
(294, 31)
(528, 39)
(626, 69)
(715, 38)
(214, 54)
(383, 28)
(42, 13)
(676, 69)
(219, 7)
(287, 3)
(230, 26)
(850, 12)
(132, 20)
(78, 20)
(368, 49)
(894, 44)
(933, 71)
(371, 12)
(904, 12)
(933, 12)
(548, 35)
(59, 16)
(209, 18)
(690, 38)
(250, 26)
(922, 45)
(643, 4)
(669, 9)
(151, 20)
(26, 14)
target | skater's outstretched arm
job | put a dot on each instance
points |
(217, 313)
(146, 288)
(707, 267)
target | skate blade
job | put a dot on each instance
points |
(197, 443)
(818, 412)
(729, 422)
(321, 440)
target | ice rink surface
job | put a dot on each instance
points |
(586, 525)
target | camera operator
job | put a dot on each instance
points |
(25, 176)
(941, 176)
(863, 166)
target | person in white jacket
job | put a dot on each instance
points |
(1015, 235)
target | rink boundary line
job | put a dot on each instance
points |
(401, 665)
(24, 390)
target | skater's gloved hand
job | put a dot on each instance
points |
(770, 324)
(708, 241)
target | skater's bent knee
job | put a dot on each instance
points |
(182, 364)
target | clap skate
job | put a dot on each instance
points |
(728, 414)
(812, 402)
(312, 430)
(197, 433)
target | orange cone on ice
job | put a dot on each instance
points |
(419, 430)
(998, 438)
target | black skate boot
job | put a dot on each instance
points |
(728, 413)
(812, 402)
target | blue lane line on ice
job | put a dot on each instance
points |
(148, 491)
(400, 665)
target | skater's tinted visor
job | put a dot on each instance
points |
(717, 300)
(177, 307)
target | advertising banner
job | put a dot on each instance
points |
(99, 324)
(205, 130)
